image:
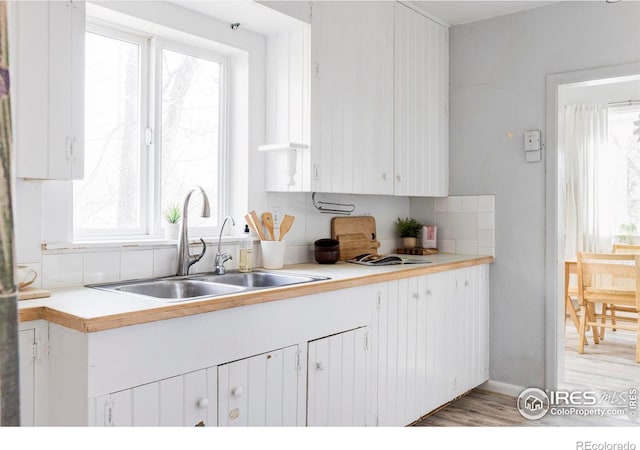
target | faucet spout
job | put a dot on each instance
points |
(221, 258)
(185, 259)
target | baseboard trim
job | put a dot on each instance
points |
(502, 388)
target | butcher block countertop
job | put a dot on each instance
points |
(90, 310)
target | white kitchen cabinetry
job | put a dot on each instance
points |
(433, 342)
(421, 144)
(184, 400)
(288, 163)
(339, 385)
(49, 89)
(352, 97)
(32, 359)
(264, 390)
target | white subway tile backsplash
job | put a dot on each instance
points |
(486, 237)
(486, 220)
(470, 204)
(165, 262)
(466, 224)
(441, 204)
(62, 270)
(486, 251)
(101, 267)
(291, 255)
(457, 225)
(136, 264)
(466, 247)
(454, 204)
(446, 246)
(486, 203)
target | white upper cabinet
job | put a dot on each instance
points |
(421, 147)
(48, 73)
(379, 103)
(288, 110)
(352, 96)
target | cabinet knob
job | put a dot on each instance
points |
(466, 283)
(429, 293)
(416, 295)
(237, 391)
(398, 177)
(203, 403)
(320, 366)
(385, 176)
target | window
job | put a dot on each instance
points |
(154, 126)
(623, 168)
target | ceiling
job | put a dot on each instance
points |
(454, 12)
(260, 19)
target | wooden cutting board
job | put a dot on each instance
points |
(30, 293)
(357, 235)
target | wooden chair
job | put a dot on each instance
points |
(612, 279)
(622, 249)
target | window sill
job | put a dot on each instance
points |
(128, 244)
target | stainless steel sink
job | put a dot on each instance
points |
(259, 279)
(171, 290)
(177, 289)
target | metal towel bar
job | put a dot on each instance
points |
(321, 206)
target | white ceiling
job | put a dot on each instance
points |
(454, 12)
(260, 19)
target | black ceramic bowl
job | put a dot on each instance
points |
(326, 251)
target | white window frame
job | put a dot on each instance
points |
(143, 55)
(159, 44)
(151, 119)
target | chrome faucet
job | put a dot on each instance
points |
(221, 258)
(185, 259)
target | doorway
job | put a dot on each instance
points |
(606, 85)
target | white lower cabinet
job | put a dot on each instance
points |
(33, 365)
(184, 400)
(339, 383)
(27, 363)
(411, 345)
(264, 390)
(432, 342)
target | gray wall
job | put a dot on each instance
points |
(498, 73)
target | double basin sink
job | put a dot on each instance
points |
(190, 287)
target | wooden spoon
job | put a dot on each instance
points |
(257, 225)
(249, 221)
(285, 225)
(267, 218)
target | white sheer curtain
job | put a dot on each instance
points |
(589, 215)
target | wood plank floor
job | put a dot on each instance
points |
(604, 368)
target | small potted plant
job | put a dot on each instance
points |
(172, 227)
(409, 230)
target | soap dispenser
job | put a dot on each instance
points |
(246, 251)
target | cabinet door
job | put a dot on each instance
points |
(352, 96)
(27, 362)
(288, 109)
(403, 354)
(470, 330)
(50, 89)
(421, 148)
(264, 390)
(185, 400)
(338, 380)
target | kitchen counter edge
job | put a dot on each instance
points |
(149, 311)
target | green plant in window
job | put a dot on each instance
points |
(172, 214)
(627, 230)
(408, 227)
